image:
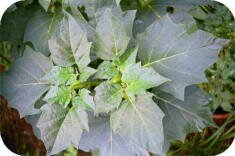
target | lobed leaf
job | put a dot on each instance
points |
(178, 55)
(69, 44)
(111, 39)
(140, 122)
(61, 128)
(102, 139)
(21, 85)
(183, 117)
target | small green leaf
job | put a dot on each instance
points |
(60, 75)
(106, 70)
(60, 95)
(21, 85)
(61, 128)
(138, 79)
(128, 58)
(140, 123)
(84, 100)
(111, 39)
(107, 97)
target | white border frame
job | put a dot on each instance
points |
(4, 4)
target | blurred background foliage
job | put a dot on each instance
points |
(214, 18)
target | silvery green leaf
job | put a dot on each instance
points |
(111, 39)
(128, 58)
(106, 70)
(105, 142)
(39, 30)
(107, 97)
(138, 79)
(69, 44)
(84, 100)
(140, 122)
(61, 128)
(86, 73)
(21, 84)
(45, 4)
(178, 55)
(59, 75)
(183, 117)
(128, 18)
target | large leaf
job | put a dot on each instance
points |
(183, 117)
(111, 38)
(61, 128)
(21, 85)
(108, 143)
(138, 79)
(39, 30)
(107, 97)
(140, 122)
(178, 55)
(69, 44)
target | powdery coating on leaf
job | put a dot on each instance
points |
(69, 44)
(108, 143)
(61, 128)
(177, 55)
(107, 97)
(106, 70)
(140, 123)
(183, 117)
(21, 85)
(111, 39)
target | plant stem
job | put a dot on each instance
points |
(87, 84)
